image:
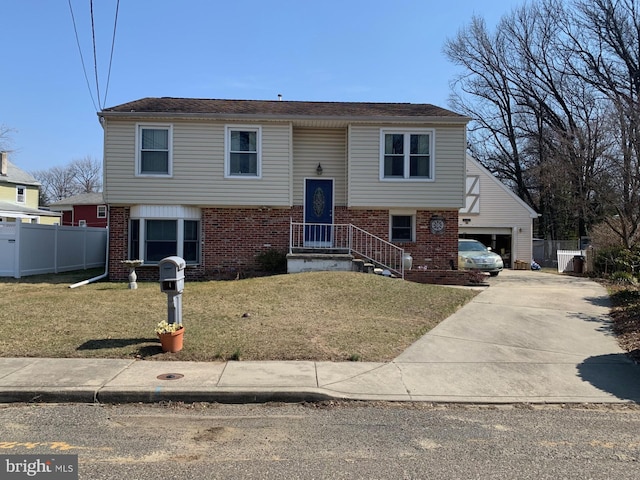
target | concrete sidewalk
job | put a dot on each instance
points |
(530, 337)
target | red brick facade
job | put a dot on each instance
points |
(232, 238)
(118, 243)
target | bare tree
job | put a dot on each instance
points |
(5, 137)
(87, 174)
(57, 183)
(537, 124)
(79, 176)
(607, 43)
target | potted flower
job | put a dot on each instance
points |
(171, 335)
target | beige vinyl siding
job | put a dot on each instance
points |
(326, 147)
(497, 206)
(198, 168)
(445, 191)
(500, 212)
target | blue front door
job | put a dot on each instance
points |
(318, 211)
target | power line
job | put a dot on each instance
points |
(84, 68)
(95, 57)
(113, 42)
(100, 103)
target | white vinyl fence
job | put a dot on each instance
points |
(565, 259)
(31, 249)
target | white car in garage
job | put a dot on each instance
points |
(473, 255)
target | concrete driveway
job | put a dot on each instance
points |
(530, 336)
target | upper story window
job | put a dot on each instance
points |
(154, 150)
(243, 151)
(102, 211)
(406, 154)
(21, 194)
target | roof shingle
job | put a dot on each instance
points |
(280, 108)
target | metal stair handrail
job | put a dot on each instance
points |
(320, 236)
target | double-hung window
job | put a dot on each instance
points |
(406, 154)
(154, 239)
(21, 194)
(243, 151)
(102, 211)
(402, 228)
(153, 150)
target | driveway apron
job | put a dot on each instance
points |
(529, 336)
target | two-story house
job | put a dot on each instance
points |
(217, 182)
(19, 196)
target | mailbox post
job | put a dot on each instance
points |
(172, 283)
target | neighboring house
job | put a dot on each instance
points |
(496, 216)
(19, 195)
(218, 182)
(83, 210)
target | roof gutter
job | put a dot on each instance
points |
(286, 118)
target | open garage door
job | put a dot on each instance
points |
(499, 239)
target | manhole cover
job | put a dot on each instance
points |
(170, 376)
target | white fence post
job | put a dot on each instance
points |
(16, 250)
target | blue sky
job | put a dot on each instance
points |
(348, 50)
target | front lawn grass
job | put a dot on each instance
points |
(331, 316)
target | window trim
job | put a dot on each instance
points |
(407, 132)
(104, 210)
(142, 239)
(227, 151)
(138, 162)
(24, 194)
(412, 216)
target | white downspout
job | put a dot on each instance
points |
(106, 268)
(106, 258)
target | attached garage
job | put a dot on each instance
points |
(494, 215)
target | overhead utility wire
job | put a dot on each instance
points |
(95, 57)
(113, 42)
(84, 68)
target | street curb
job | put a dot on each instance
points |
(136, 396)
(30, 395)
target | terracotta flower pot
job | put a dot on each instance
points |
(172, 342)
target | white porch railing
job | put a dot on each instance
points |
(347, 238)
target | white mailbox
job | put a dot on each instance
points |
(172, 283)
(172, 275)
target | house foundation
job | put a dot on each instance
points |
(232, 238)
